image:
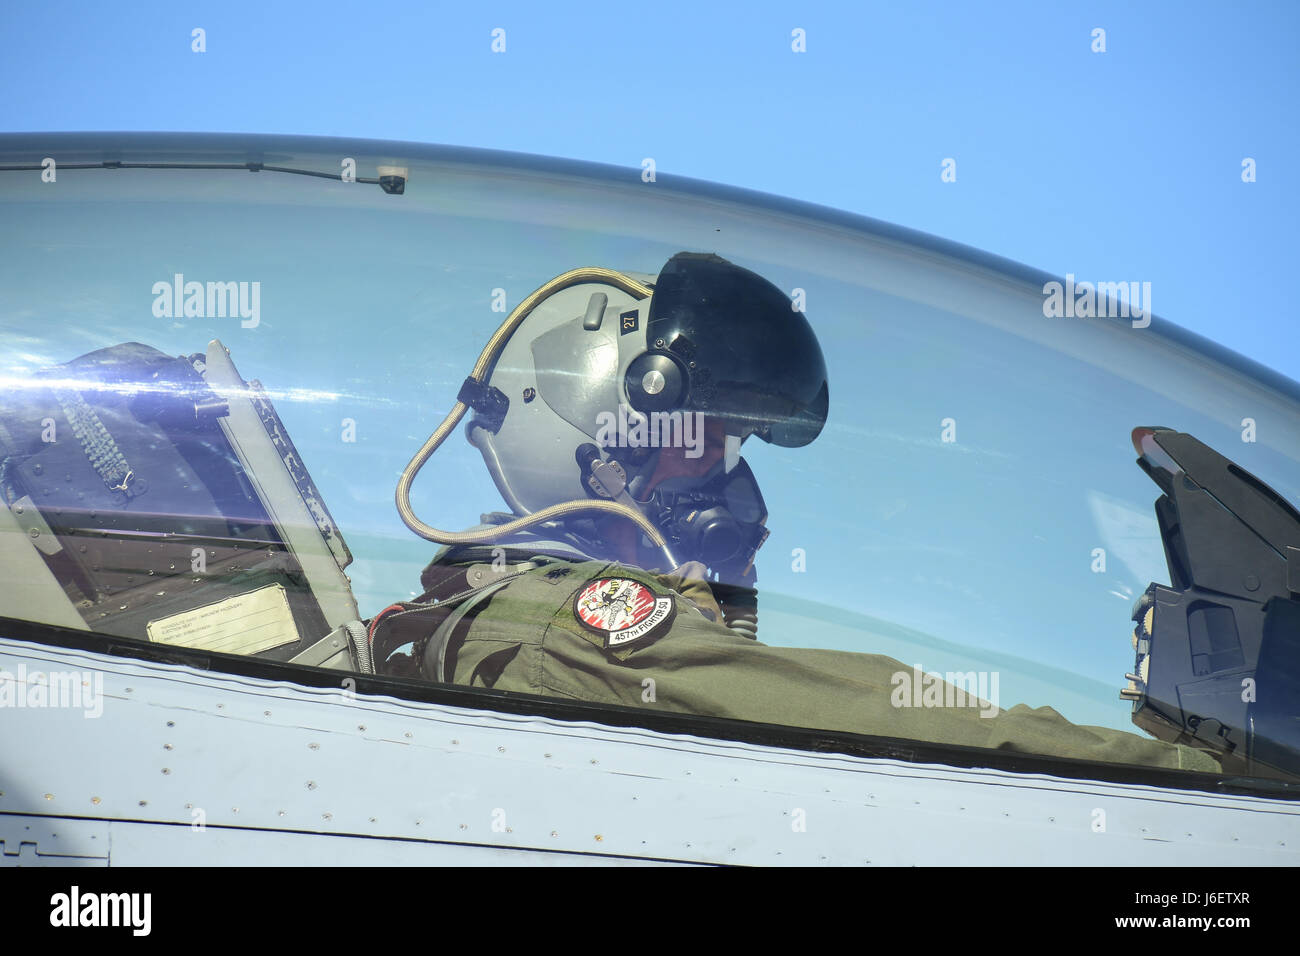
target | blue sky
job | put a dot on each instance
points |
(1122, 165)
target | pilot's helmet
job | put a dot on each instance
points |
(665, 376)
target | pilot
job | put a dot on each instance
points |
(610, 410)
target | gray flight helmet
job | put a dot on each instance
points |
(592, 364)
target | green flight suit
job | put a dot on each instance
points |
(526, 637)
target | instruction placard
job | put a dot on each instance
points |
(246, 624)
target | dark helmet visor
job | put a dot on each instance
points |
(750, 358)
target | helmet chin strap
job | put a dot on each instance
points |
(645, 471)
(479, 376)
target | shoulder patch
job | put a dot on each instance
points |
(622, 611)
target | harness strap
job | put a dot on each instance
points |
(430, 621)
(97, 444)
(435, 651)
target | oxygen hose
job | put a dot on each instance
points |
(482, 369)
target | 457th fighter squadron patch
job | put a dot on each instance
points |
(622, 611)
